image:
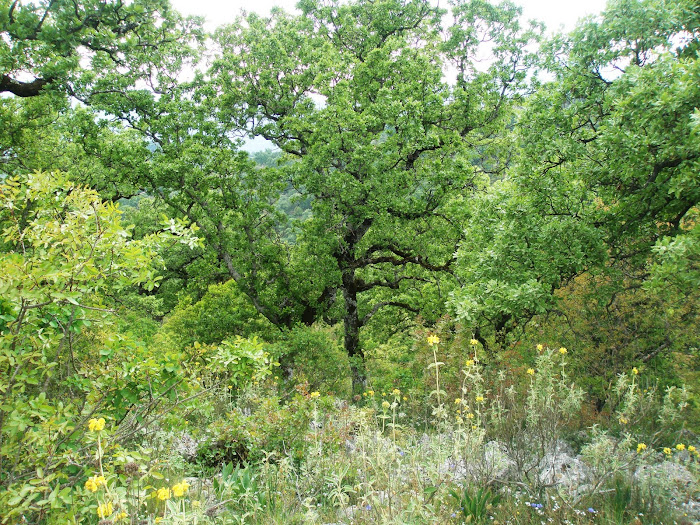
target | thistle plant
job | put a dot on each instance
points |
(439, 409)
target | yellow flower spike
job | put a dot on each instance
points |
(179, 489)
(540, 347)
(635, 371)
(163, 494)
(105, 510)
(470, 416)
(680, 447)
(315, 395)
(667, 451)
(479, 399)
(96, 425)
(563, 351)
(396, 392)
(94, 483)
(470, 362)
(474, 342)
(433, 340)
(641, 448)
(531, 371)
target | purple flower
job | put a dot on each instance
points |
(591, 510)
(536, 505)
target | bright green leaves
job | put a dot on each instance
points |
(51, 39)
(63, 254)
(617, 123)
(65, 244)
(238, 361)
(515, 254)
(606, 171)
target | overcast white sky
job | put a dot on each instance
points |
(554, 13)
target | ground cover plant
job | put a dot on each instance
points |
(500, 451)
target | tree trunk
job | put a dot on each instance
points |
(352, 333)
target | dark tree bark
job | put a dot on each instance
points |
(23, 89)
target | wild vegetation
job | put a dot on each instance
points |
(461, 286)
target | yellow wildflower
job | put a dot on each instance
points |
(158, 519)
(386, 404)
(396, 392)
(433, 340)
(470, 416)
(470, 362)
(93, 483)
(635, 371)
(474, 342)
(314, 395)
(370, 393)
(641, 447)
(122, 515)
(667, 451)
(623, 420)
(691, 448)
(563, 351)
(180, 489)
(163, 494)
(458, 401)
(680, 446)
(531, 371)
(540, 347)
(196, 504)
(405, 398)
(459, 419)
(364, 394)
(479, 399)
(105, 510)
(96, 425)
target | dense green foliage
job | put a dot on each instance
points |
(442, 173)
